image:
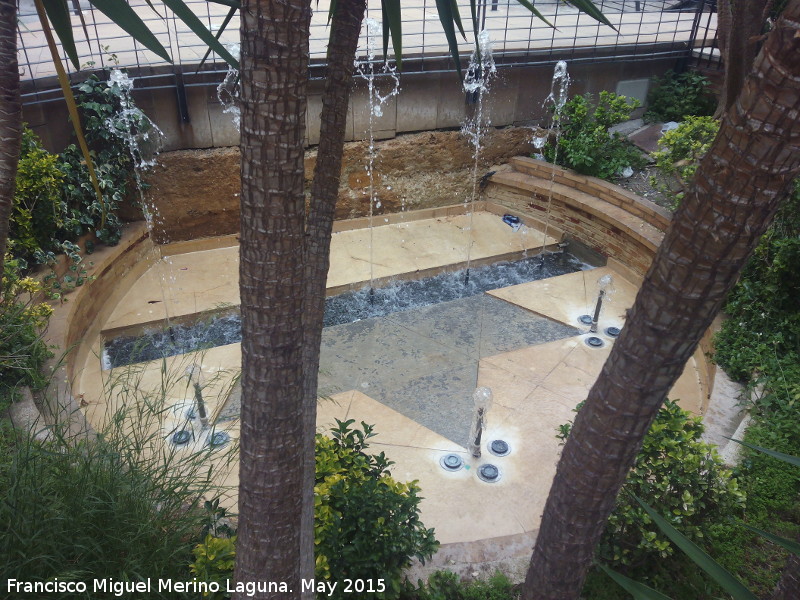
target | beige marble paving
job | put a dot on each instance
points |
(568, 297)
(535, 388)
(565, 299)
(206, 280)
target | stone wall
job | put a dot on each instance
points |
(195, 193)
(605, 217)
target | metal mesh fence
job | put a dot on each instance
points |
(643, 29)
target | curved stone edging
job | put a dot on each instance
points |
(77, 319)
(604, 216)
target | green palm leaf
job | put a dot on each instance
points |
(58, 13)
(185, 14)
(445, 9)
(540, 16)
(791, 545)
(392, 23)
(231, 13)
(72, 108)
(787, 458)
(590, 9)
(126, 18)
(457, 17)
(639, 591)
(728, 582)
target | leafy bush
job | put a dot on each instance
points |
(366, 524)
(443, 585)
(679, 476)
(759, 343)
(762, 333)
(100, 106)
(55, 201)
(214, 560)
(680, 154)
(38, 208)
(22, 350)
(126, 505)
(676, 96)
(585, 144)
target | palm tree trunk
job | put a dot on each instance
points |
(10, 117)
(274, 66)
(734, 195)
(788, 587)
(740, 27)
(345, 28)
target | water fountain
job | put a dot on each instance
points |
(365, 69)
(605, 290)
(480, 72)
(144, 140)
(228, 90)
(559, 89)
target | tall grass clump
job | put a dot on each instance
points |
(123, 504)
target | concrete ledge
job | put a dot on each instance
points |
(608, 219)
(650, 212)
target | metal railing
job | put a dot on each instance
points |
(643, 29)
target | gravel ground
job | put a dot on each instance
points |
(639, 183)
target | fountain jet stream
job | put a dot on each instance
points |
(228, 90)
(480, 72)
(373, 31)
(559, 89)
(144, 140)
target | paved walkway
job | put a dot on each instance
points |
(513, 30)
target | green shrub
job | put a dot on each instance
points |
(22, 322)
(584, 143)
(38, 210)
(214, 560)
(444, 585)
(683, 479)
(680, 154)
(762, 333)
(676, 96)
(100, 106)
(126, 505)
(759, 343)
(366, 524)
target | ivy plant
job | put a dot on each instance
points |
(762, 333)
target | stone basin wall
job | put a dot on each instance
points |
(196, 192)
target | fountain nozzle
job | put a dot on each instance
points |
(195, 374)
(482, 401)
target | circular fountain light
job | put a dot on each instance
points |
(182, 437)
(499, 448)
(585, 319)
(451, 462)
(594, 342)
(219, 438)
(612, 331)
(489, 473)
